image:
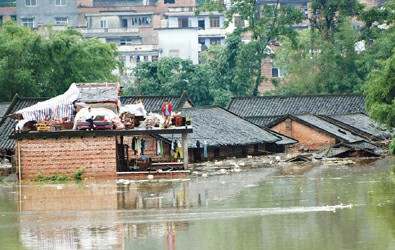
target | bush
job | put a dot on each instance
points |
(391, 148)
(52, 177)
(79, 173)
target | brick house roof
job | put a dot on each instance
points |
(222, 128)
(283, 105)
(154, 103)
(322, 125)
(360, 124)
(7, 124)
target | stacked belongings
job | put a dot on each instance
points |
(135, 111)
(95, 118)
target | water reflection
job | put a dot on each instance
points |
(255, 209)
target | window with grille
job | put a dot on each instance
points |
(28, 22)
(31, 2)
(60, 2)
(183, 22)
(124, 23)
(126, 41)
(103, 24)
(61, 20)
(214, 22)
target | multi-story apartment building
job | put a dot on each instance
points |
(35, 13)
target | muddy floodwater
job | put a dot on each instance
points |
(327, 207)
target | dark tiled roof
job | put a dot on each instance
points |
(295, 105)
(324, 126)
(98, 92)
(361, 124)
(7, 124)
(154, 103)
(222, 128)
(285, 140)
(262, 121)
(329, 128)
(3, 108)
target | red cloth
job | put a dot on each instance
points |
(170, 108)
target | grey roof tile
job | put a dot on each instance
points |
(222, 128)
(295, 105)
(329, 128)
(361, 124)
(154, 103)
(7, 124)
(3, 108)
(98, 92)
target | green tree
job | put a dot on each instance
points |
(265, 22)
(379, 40)
(172, 76)
(45, 64)
(328, 15)
(323, 67)
(380, 93)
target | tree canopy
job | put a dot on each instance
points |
(263, 23)
(37, 64)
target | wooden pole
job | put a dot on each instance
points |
(185, 149)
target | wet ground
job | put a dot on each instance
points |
(326, 206)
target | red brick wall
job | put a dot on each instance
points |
(64, 155)
(266, 84)
(308, 138)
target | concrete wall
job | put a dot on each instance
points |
(46, 11)
(308, 138)
(181, 43)
(66, 155)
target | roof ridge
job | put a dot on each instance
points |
(296, 96)
(152, 96)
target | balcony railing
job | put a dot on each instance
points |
(107, 31)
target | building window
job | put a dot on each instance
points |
(103, 24)
(154, 58)
(61, 20)
(125, 41)
(183, 22)
(201, 24)
(124, 23)
(215, 40)
(169, 1)
(60, 2)
(214, 22)
(31, 2)
(276, 72)
(13, 18)
(1, 19)
(174, 53)
(141, 21)
(239, 22)
(28, 22)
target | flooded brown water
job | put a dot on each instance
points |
(326, 207)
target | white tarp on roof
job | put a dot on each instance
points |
(57, 108)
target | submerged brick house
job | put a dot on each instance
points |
(315, 133)
(316, 121)
(227, 135)
(102, 153)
